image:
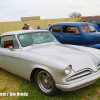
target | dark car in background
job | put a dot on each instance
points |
(76, 33)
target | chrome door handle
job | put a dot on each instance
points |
(61, 36)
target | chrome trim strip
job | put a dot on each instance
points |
(78, 76)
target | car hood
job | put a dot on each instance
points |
(70, 55)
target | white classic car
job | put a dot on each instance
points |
(36, 54)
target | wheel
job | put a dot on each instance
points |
(45, 83)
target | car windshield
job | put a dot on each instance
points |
(35, 38)
(88, 28)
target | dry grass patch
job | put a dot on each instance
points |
(92, 92)
(9, 83)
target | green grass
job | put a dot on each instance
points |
(12, 83)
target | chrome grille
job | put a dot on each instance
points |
(98, 65)
(79, 75)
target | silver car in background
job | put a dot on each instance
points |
(36, 54)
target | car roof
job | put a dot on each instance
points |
(22, 32)
(71, 23)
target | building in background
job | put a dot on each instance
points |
(33, 21)
(30, 18)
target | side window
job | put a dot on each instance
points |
(55, 29)
(8, 41)
(70, 29)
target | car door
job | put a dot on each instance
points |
(72, 35)
(9, 58)
(56, 31)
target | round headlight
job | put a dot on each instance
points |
(68, 69)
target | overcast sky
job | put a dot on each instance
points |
(13, 10)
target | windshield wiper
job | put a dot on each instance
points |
(49, 41)
(44, 42)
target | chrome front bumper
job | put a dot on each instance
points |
(85, 81)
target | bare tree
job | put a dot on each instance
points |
(75, 15)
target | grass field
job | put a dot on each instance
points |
(12, 83)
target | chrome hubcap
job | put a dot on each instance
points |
(45, 81)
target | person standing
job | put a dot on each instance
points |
(95, 25)
(29, 27)
(38, 27)
(48, 26)
(25, 27)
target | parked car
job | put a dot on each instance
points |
(55, 66)
(76, 33)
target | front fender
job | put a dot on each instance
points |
(58, 74)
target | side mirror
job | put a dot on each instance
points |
(11, 48)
